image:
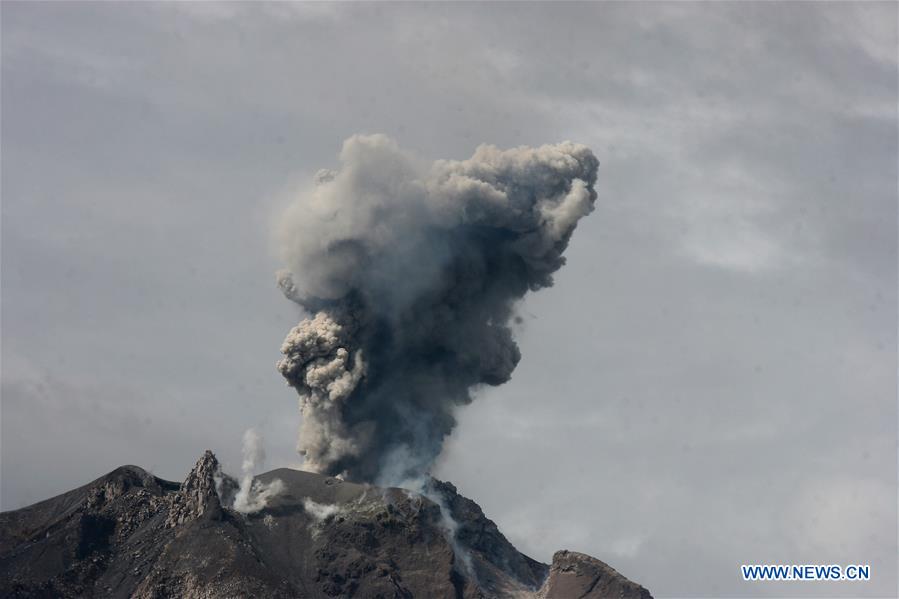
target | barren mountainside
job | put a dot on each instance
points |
(130, 534)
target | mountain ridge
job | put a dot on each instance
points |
(132, 534)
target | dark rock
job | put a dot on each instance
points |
(574, 574)
(130, 534)
(197, 497)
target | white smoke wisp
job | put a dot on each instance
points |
(422, 486)
(451, 531)
(320, 511)
(410, 272)
(253, 496)
(253, 451)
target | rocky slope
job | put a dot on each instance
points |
(130, 534)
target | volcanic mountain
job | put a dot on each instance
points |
(131, 534)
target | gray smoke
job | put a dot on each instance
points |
(411, 271)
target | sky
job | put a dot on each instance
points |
(710, 382)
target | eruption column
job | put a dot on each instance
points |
(410, 272)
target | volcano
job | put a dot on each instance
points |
(131, 534)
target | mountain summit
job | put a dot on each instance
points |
(131, 534)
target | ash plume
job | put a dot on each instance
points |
(410, 272)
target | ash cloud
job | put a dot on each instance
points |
(410, 272)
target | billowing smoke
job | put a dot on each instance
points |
(411, 271)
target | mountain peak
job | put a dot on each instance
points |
(574, 574)
(197, 496)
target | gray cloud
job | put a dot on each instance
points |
(413, 271)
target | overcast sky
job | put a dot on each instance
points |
(711, 381)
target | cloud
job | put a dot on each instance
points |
(413, 270)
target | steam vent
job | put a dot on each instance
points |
(131, 534)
